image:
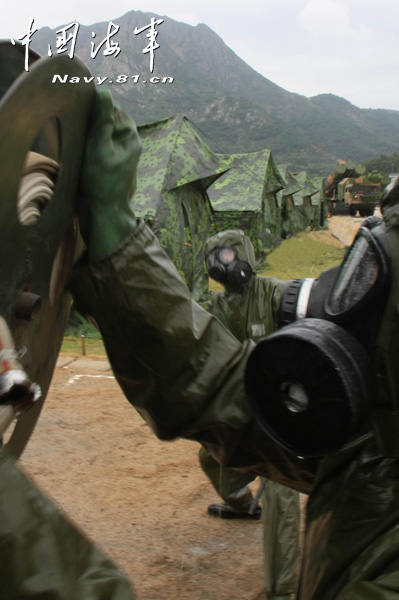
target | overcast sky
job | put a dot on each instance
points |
(346, 47)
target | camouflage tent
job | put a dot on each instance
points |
(175, 170)
(302, 202)
(289, 199)
(245, 198)
(303, 198)
(319, 201)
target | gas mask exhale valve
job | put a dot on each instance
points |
(311, 383)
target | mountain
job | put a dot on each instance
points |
(235, 108)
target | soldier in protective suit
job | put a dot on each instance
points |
(249, 308)
(185, 374)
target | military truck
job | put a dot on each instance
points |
(349, 194)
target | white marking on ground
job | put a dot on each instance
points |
(80, 375)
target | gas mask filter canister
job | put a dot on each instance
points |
(311, 383)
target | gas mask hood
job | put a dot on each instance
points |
(311, 383)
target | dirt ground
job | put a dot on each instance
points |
(142, 500)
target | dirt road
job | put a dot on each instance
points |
(144, 501)
(344, 228)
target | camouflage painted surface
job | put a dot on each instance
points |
(172, 155)
(342, 170)
(250, 222)
(319, 200)
(244, 186)
(290, 183)
(302, 202)
(293, 217)
(245, 197)
(175, 170)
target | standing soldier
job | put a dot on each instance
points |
(248, 307)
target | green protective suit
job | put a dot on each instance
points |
(43, 555)
(250, 312)
(184, 372)
(231, 485)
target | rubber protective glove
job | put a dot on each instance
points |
(108, 178)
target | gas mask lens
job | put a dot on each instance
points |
(357, 277)
(364, 272)
(226, 255)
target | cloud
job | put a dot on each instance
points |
(332, 21)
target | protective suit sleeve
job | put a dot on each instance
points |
(108, 177)
(42, 555)
(177, 364)
(383, 588)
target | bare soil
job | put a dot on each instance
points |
(343, 229)
(143, 501)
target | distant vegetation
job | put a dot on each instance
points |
(379, 169)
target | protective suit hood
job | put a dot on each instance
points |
(233, 238)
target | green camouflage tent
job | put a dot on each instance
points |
(292, 215)
(175, 170)
(319, 201)
(245, 198)
(309, 211)
(302, 202)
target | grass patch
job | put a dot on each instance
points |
(302, 256)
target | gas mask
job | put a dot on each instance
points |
(224, 267)
(312, 383)
(42, 127)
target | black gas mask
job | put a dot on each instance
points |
(312, 383)
(224, 267)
